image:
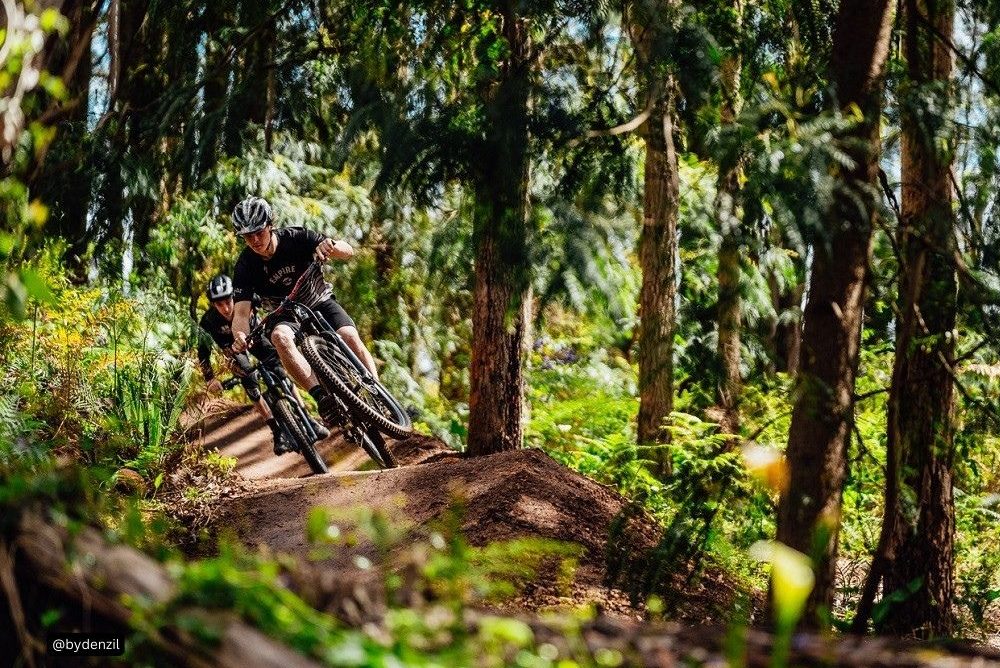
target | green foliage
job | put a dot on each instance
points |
(433, 629)
(93, 375)
(382, 123)
(147, 408)
(583, 415)
(22, 41)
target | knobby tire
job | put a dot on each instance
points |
(376, 448)
(287, 417)
(326, 360)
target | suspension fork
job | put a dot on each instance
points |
(279, 389)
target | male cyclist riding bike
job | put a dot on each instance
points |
(269, 267)
(217, 324)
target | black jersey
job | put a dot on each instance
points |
(272, 279)
(218, 330)
(215, 328)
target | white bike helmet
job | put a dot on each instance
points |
(252, 215)
(220, 287)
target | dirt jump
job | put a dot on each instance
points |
(510, 495)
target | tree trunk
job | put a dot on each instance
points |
(729, 218)
(61, 177)
(658, 238)
(217, 16)
(657, 256)
(387, 323)
(129, 199)
(140, 87)
(114, 49)
(502, 264)
(916, 547)
(809, 511)
(786, 332)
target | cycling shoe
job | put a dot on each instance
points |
(282, 444)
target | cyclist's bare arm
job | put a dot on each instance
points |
(338, 250)
(241, 325)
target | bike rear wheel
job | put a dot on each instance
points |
(368, 397)
(289, 418)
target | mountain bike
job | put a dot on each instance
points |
(279, 395)
(362, 406)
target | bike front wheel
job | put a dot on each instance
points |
(364, 395)
(289, 418)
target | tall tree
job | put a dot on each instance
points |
(658, 239)
(727, 211)
(916, 546)
(216, 17)
(500, 316)
(252, 97)
(453, 103)
(809, 510)
(61, 177)
(141, 83)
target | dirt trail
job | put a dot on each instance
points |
(237, 431)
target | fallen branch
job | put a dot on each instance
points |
(100, 575)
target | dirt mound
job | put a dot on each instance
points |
(507, 495)
(517, 494)
(510, 495)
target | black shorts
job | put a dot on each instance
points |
(328, 308)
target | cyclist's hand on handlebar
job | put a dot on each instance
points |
(325, 250)
(214, 386)
(239, 342)
(328, 248)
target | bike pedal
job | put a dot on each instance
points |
(322, 432)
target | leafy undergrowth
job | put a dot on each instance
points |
(193, 493)
(584, 408)
(95, 377)
(431, 613)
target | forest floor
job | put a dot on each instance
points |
(270, 502)
(503, 497)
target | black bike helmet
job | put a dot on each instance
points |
(252, 215)
(220, 287)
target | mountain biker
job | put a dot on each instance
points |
(273, 261)
(217, 324)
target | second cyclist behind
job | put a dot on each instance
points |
(216, 323)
